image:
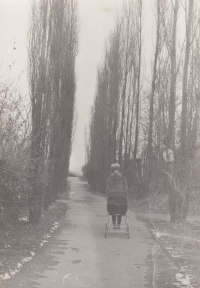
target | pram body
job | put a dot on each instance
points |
(117, 204)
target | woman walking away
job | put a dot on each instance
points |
(117, 194)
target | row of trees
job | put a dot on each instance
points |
(44, 143)
(53, 43)
(143, 107)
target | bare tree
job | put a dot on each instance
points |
(189, 21)
(173, 73)
(158, 46)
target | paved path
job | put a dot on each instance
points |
(78, 255)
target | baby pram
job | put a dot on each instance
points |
(117, 205)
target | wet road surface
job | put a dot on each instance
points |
(78, 255)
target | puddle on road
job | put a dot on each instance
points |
(75, 249)
(58, 252)
(85, 200)
(76, 261)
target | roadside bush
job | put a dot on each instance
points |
(14, 155)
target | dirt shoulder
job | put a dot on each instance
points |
(180, 243)
(20, 242)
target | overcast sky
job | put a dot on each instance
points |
(96, 21)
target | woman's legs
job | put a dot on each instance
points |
(112, 211)
(122, 211)
(116, 219)
(119, 210)
(119, 218)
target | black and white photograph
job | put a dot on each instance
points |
(100, 143)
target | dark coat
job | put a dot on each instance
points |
(116, 183)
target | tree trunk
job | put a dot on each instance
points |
(138, 83)
(122, 117)
(151, 109)
(185, 80)
(172, 101)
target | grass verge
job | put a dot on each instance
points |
(20, 241)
